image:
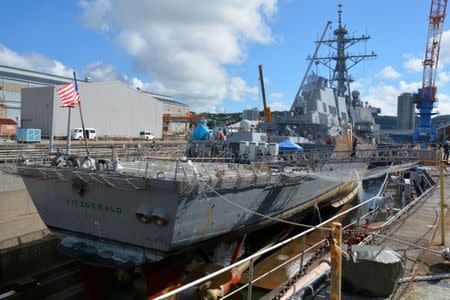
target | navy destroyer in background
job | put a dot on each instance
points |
(322, 111)
(323, 107)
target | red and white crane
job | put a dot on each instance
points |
(426, 96)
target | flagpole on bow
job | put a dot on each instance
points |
(68, 129)
(81, 116)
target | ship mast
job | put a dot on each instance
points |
(344, 61)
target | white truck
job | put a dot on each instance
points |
(77, 134)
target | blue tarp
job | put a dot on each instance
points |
(201, 132)
(288, 145)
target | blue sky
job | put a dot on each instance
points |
(206, 53)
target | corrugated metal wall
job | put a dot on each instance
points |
(112, 108)
(37, 108)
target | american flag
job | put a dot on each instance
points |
(69, 95)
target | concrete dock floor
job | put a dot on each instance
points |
(418, 229)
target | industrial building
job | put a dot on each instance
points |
(250, 114)
(443, 134)
(405, 112)
(12, 80)
(174, 108)
(113, 108)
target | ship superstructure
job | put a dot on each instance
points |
(324, 106)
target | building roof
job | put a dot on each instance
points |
(5, 121)
(51, 79)
(173, 102)
(164, 98)
(33, 76)
(443, 127)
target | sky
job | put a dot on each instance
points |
(206, 53)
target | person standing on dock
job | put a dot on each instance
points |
(446, 151)
(354, 145)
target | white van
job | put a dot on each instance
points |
(146, 135)
(77, 134)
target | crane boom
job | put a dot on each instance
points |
(426, 96)
(436, 22)
(267, 115)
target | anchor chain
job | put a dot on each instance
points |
(304, 269)
(358, 235)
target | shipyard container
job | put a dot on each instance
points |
(262, 148)
(273, 151)
(28, 135)
(252, 146)
(7, 126)
(243, 148)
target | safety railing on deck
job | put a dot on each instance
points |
(367, 155)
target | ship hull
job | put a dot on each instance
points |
(93, 217)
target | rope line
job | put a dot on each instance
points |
(262, 215)
(400, 241)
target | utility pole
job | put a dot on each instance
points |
(442, 183)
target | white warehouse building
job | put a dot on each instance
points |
(113, 108)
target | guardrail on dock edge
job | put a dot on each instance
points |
(252, 258)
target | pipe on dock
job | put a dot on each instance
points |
(307, 283)
(442, 200)
(425, 278)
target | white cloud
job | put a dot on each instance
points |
(445, 49)
(409, 87)
(153, 86)
(185, 46)
(239, 90)
(389, 72)
(101, 71)
(33, 61)
(384, 95)
(413, 64)
(276, 96)
(95, 13)
(279, 106)
(443, 104)
(442, 79)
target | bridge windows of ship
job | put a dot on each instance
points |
(332, 110)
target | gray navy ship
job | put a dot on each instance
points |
(324, 106)
(144, 212)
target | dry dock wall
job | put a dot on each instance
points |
(19, 221)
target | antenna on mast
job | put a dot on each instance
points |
(340, 14)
